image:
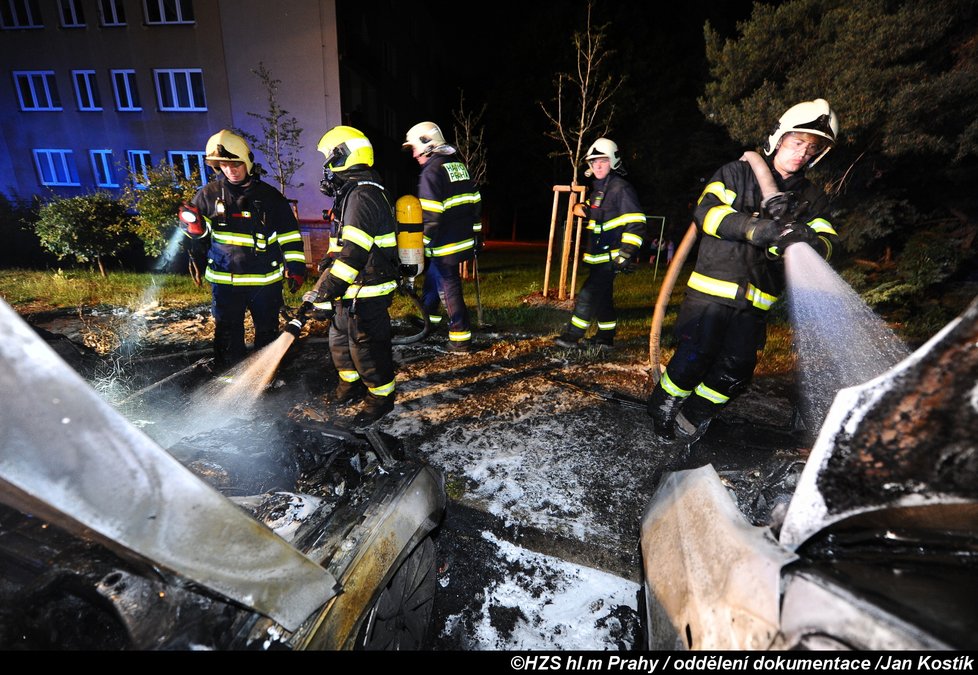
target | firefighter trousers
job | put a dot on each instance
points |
(228, 306)
(715, 357)
(360, 344)
(443, 284)
(596, 302)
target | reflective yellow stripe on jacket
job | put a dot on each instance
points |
(728, 289)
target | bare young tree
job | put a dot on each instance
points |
(583, 101)
(468, 140)
(279, 142)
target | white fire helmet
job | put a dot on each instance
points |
(810, 117)
(426, 138)
(604, 147)
(227, 146)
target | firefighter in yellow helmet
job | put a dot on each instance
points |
(452, 212)
(360, 275)
(739, 271)
(254, 245)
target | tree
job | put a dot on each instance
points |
(279, 141)
(87, 228)
(162, 190)
(468, 139)
(584, 99)
(903, 78)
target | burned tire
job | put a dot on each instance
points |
(401, 617)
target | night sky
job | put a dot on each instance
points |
(507, 58)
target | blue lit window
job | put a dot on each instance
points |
(56, 167)
(37, 90)
(180, 90)
(104, 169)
(86, 90)
(169, 11)
(189, 162)
(139, 166)
(113, 12)
(20, 14)
(126, 92)
(72, 15)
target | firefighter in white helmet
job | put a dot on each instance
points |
(360, 275)
(254, 245)
(739, 272)
(616, 228)
(452, 213)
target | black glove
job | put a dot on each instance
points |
(764, 233)
(796, 233)
(322, 309)
(294, 281)
(622, 262)
(780, 206)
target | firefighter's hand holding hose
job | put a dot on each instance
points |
(322, 308)
(796, 233)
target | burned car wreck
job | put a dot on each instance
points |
(878, 546)
(282, 534)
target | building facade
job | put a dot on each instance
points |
(94, 91)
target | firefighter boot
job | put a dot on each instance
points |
(374, 408)
(663, 408)
(346, 392)
(569, 338)
(694, 419)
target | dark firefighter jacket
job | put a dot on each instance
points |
(365, 262)
(615, 220)
(451, 207)
(254, 234)
(730, 270)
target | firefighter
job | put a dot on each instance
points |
(739, 271)
(255, 244)
(452, 214)
(360, 276)
(616, 228)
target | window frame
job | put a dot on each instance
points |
(50, 87)
(94, 95)
(32, 8)
(67, 164)
(103, 167)
(181, 7)
(116, 8)
(78, 13)
(175, 85)
(145, 164)
(184, 164)
(132, 90)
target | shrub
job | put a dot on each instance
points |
(88, 228)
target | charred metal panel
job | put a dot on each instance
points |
(909, 437)
(67, 455)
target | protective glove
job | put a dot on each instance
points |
(191, 222)
(322, 309)
(294, 280)
(622, 262)
(796, 233)
(764, 233)
(580, 210)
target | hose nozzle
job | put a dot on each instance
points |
(294, 326)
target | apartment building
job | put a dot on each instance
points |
(92, 92)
